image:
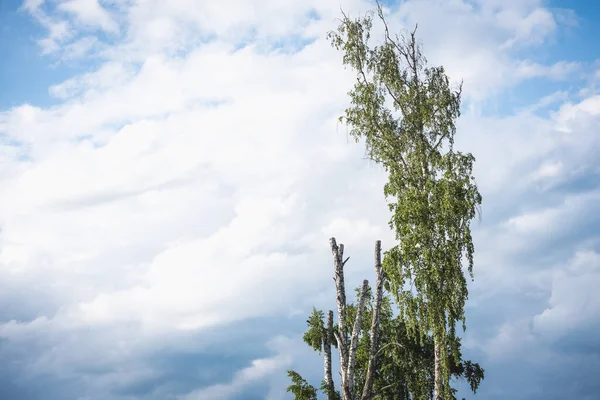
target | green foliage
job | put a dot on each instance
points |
(330, 393)
(405, 364)
(431, 190)
(472, 372)
(316, 331)
(300, 388)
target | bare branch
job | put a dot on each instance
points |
(341, 336)
(382, 389)
(355, 332)
(434, 148)
(388, 345)
(374, 323)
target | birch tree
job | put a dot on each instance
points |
(346, 334)
(389, 363)
(430, 189)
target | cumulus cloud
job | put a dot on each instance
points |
(260, 370)
(91, 13)
(187, 182)
(574, 304)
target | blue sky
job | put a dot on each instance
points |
(26, 75)
(171, 172)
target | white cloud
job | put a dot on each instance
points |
(91, 13)
(547, 101)
(81, 48)
(89, 84)
(32, 5)
(558, 71)
(548, 170)
(189, 182)
(570, 114)
(574, 303)
(242, 168)
(511, 340)
(573, 309)
(58, 32)
(259, 371)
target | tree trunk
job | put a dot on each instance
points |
(341, 334)
(355, 332)
(437, 370)
(374, 345)
(327, 351)
(348, 346)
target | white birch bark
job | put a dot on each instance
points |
(437, 370)
(355, 332)
(340, 334)
(348, 346)
(374, 334)
(327, 350)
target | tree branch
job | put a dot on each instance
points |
(355, 332)
(388, 345)
(374, 323)
(387, 31)
(341, 336)
(382, 389)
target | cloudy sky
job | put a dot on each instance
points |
(170, 172)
